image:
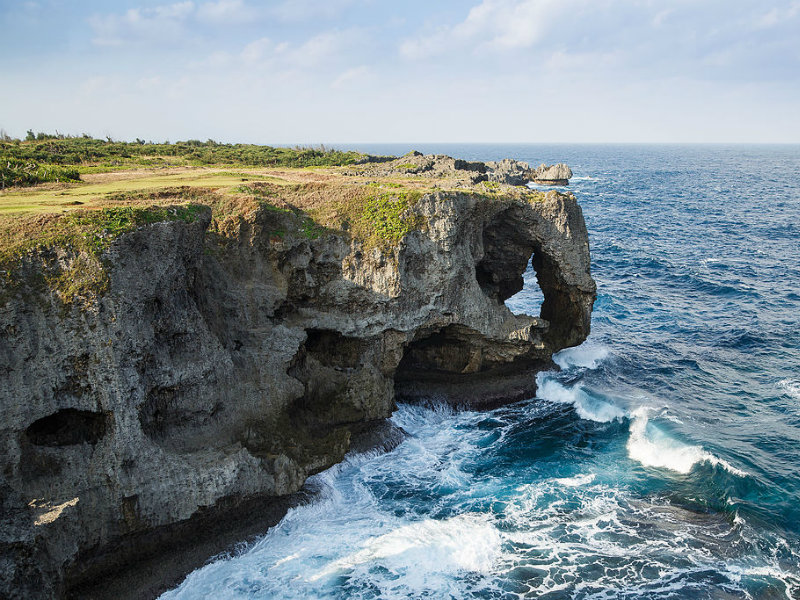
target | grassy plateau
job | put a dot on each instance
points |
(79, 193)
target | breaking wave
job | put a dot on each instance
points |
(652, 447)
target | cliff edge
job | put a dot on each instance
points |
(194, 367)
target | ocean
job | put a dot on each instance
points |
(661, 461)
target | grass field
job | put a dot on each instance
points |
(100, 190)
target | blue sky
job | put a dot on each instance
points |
(338, 71)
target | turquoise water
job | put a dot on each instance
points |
(662, 461)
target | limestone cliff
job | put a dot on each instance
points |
(208, 377)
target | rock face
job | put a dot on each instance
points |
(506, 171)
(206, 381)
(559, 174)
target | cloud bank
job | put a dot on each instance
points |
(361, 70)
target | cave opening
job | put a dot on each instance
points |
(512, 265)
(67, 427)
(529, 299)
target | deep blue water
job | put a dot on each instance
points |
(662, 461)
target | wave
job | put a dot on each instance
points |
(647, 444)
(578, 533)
(588, 407)
(652, 447)
(588, 356)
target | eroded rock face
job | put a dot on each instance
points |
(208, 379)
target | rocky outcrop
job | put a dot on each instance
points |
(559, 174)
(212, 378)
(506, 171)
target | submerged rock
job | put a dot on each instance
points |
(213, 379)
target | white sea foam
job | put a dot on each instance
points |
(652, 447)
(348, 534)
(358, 541)
(576, 481)
(461, 543)
(791, 387)
(791, 583)
(574, 531)
(586, 355)
(586, 406)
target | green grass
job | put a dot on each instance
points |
(67, 227)
(132, 188)
(384, 219)
(311, 229)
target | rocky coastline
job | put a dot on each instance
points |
(153, 425)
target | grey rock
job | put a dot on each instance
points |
(508, 171)
(206, 379)
(559, 174)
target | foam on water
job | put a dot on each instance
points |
(652, 447)
(587, 406)
(587, 355)
(367, 536)
(791, 387)
(647, 444)
(461, 543)
(349, 535)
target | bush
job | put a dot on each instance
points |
(26, 172)
(64, 150)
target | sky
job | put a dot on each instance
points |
(339, 71)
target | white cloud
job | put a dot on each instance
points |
(178, 11)
(618, 39)
(226, 11)
(496, 25)
(304, 10)
(161, 22)
(322, 48)
(167, 22)
(351, 76)
(257, 50)
(317, 56)
(777, 16)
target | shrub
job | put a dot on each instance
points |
(25, 172)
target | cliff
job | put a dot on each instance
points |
(224, 358)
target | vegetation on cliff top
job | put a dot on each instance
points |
(85, 216)
(36, 159)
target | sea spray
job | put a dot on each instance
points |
(586, 405)
(652, 447)
(588, 355)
